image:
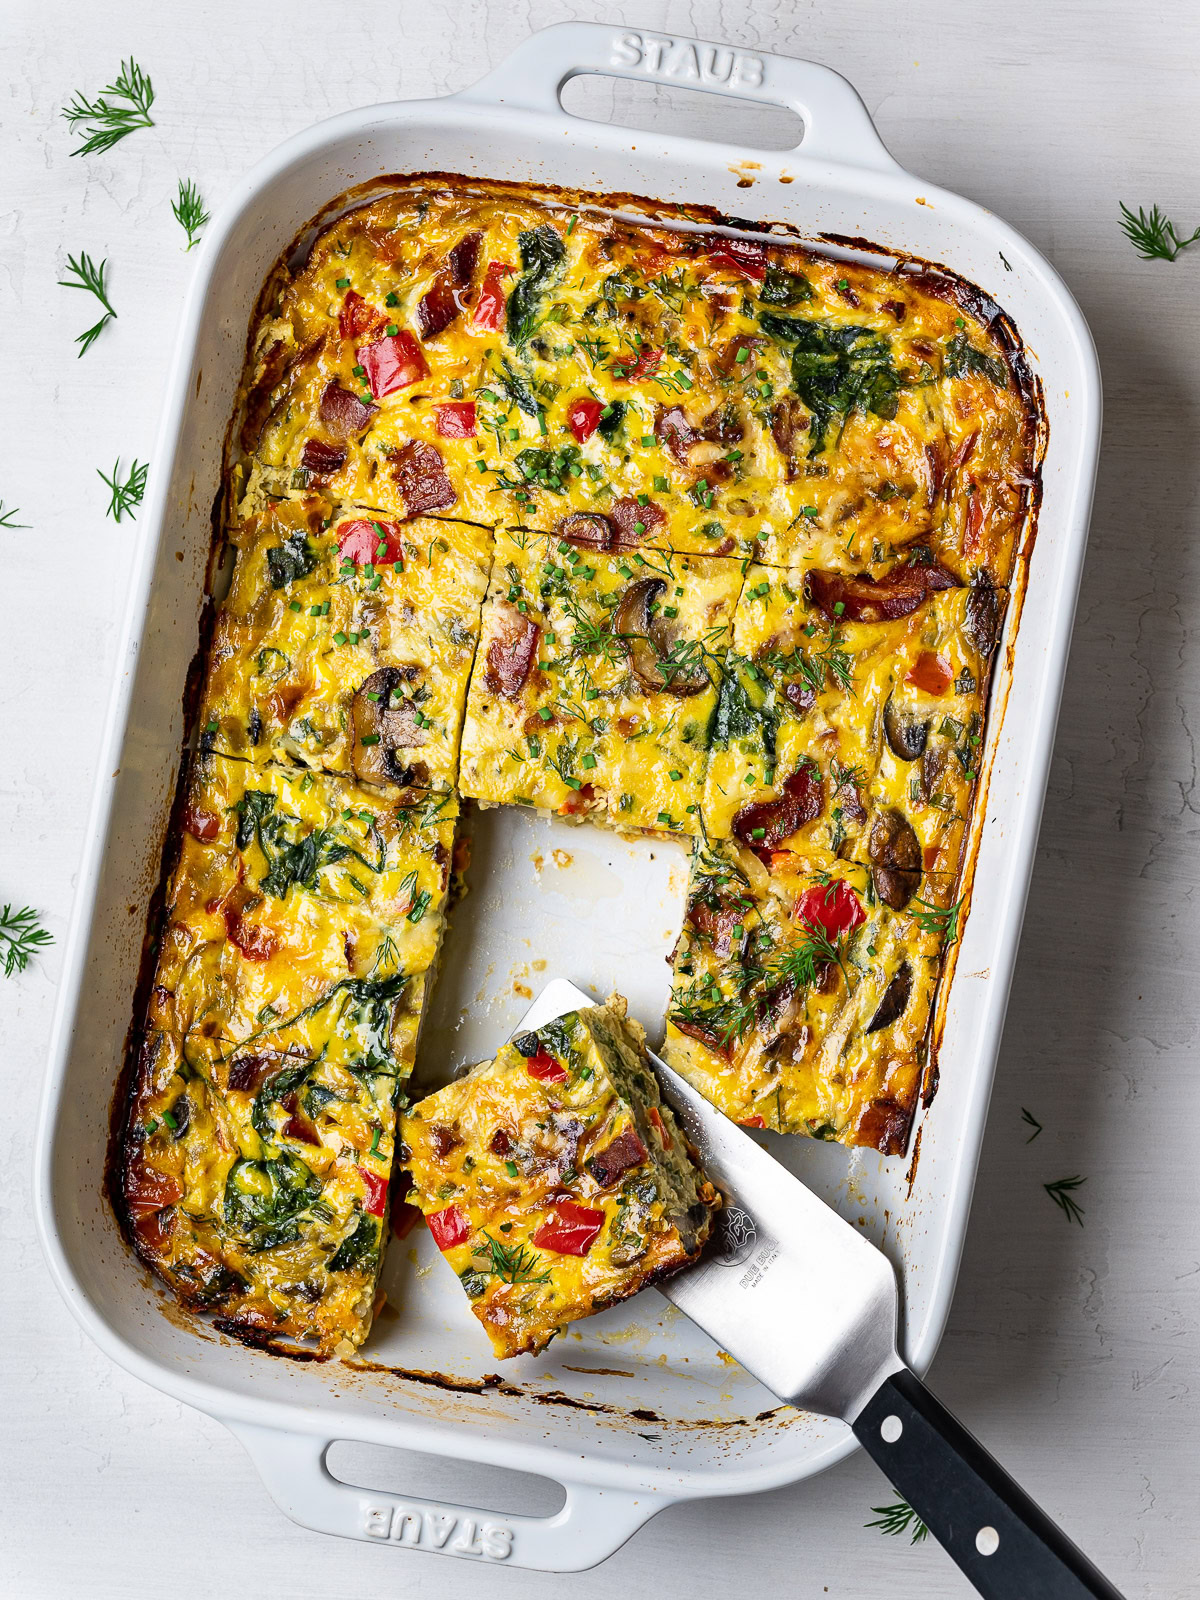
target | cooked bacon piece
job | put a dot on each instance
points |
(443, 1139)
(393, 362)
(616, 1159)
(511, 652)
(147, 1190)
(255, 943)
(419, 471)
(788, 418)
(632, 368)
(323, 459)
(358, 316)
(626, 513)
(895, 308)
(763, 825)
(437, 307)
(248, 1073)
(678, 435)
(727, 362)
(343, 413)
(884, 1126)
(201, 824)
(859, 598)
(706, 1036)
(744, 256)
(715, 923)
(799, 696)
(464, 258)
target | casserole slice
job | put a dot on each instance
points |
(800, 1000)
(481, 351)
(846, 701)
(555, 1180)
(265, 1200)
(302, 917)
(345, 642)
(596, 680)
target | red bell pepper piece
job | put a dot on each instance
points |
(545, 1067)
(740, 255)
(392, 363)
(660, 1127)
(359, 541)
(448, 1227)
(644, 366)
(834, 907)
(571, 1229)
(491, 305)
(377, 1188)
(751, 1122)
(456, 419)
(201, 824)
(583, 418)
(932, 672)
(357, 317)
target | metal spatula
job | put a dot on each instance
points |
(809, 1306)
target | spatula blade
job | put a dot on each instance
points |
(795, 1294)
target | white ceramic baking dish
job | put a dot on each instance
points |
(635, 1409)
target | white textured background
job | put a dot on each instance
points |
(1072, 1351)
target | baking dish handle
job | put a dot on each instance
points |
(592, 1524)
(837, 126)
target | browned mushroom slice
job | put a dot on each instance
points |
(906, 736)
(385, 724)
(895, 853)
(982, 621)
(511, 652)
(650, 641)
(884, 1126)
(588, 529)
(858, 598)
(895, 1000)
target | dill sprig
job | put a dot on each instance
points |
(1060, 1191)
(802, 963)
(105, 120)
(942, 920)
(189, 211)
(1030, 1121)
(1153, 235)
(21, 936)
(6, 517)
(899, 1518)
(511, 1263)
(126, 494)
(89, 276)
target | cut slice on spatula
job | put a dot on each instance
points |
(809, 1306)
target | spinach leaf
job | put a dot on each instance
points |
(357, 1249)
(962, 359)
(280, 1084)
(264, 1199)
(608, 427)
(836, 370)
(745, 709)
(294, 558)
(542, 255)
(782, 288)
(253, 811)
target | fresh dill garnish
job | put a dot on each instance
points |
(942, 920)
(189, 211)
(898, 1518)
(89, 276)
(21, 936)
(1030, 1121)
(801, 963)
(105, 120)
(1061, 1192)
(1153, 235)
(126, 493)
(6, 517)
(510, 1263)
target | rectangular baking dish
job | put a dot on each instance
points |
(635, 1409)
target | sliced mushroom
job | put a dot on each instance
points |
(906, 736)
(895, 999)
(981, 623)
(511, 652)
(384, 723)
(650, 639)
(588, 529)
(895, 853)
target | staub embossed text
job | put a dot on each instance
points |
(685, 61)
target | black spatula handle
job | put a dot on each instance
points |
(1006, 1545)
